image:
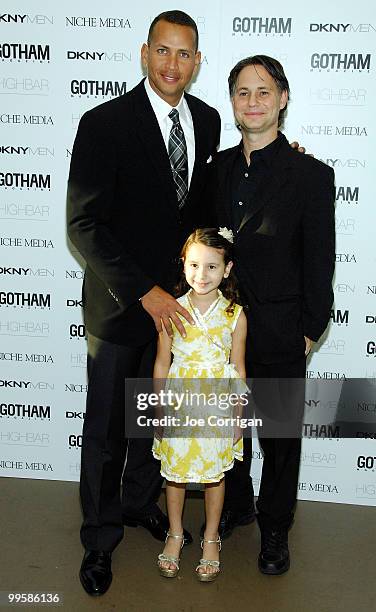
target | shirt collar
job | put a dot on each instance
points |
(160, 106)
(267, 153)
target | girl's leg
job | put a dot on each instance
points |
(214, 496)
(175, 493)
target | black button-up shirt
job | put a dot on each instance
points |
(247, 180)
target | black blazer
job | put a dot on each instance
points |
(284, 251)
(122, 209)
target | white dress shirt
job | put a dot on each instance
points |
(162, 110)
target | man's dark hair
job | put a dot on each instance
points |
(177, 17)
(272, 66)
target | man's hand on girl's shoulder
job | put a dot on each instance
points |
(163, 308)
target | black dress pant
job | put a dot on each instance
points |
(105, 448)
(280, 472)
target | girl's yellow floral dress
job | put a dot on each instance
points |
(203, 354)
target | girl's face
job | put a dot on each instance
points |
(204, 268)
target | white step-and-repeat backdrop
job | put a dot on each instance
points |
(59, 59)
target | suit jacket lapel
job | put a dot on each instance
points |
(148, 131)
(199, 131)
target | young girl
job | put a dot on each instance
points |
(213, 348)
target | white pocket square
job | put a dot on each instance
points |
(210, 159)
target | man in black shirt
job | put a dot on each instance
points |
(280, 207)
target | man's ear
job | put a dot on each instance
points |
(145, 55)
(197, 62)
(284, 99)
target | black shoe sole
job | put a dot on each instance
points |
(274, 572)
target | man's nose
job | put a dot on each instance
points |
(252, 98)
(172, 61)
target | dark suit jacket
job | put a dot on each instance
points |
(123, 213)
(284, 250)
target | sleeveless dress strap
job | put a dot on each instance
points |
(236, 316)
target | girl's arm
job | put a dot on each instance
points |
(161, 368)
(163, 358)
(237, 356)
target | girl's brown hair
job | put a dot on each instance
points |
(209, 237)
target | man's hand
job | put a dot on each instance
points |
(295, 145)
(308, 345)
(162, 307)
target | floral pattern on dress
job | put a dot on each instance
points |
(199, 358)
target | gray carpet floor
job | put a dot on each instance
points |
(332, 559)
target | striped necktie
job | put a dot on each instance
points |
(177, 152)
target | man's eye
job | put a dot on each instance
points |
(242, 94)
(161, 51)
(264, 93)
(185, 54)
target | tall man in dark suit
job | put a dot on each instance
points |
(138, 168)
(280, 205)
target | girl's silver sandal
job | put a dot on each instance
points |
(209, 576)
(162, 558)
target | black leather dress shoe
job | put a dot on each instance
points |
(274, 557)
(95, 573)
(229, 520)
(156, 523)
